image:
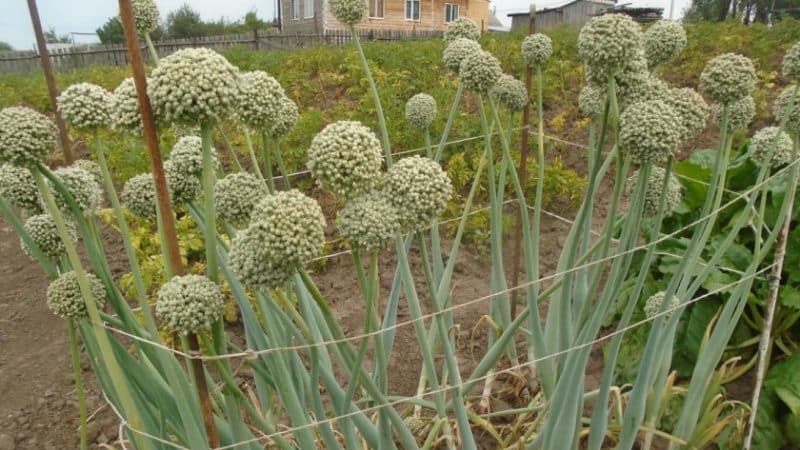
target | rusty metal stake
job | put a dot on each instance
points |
(165, 208)
(47, 68)
(523, 174)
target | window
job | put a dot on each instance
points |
(412, 9)
(376, 9)
(450, 12)
(295, 9)
(309, 9)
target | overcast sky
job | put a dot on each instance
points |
(85, 16)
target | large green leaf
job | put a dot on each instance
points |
(783, 379)
(768, 434)
(691, 333)
(790, 296)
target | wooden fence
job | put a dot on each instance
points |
(117, 55)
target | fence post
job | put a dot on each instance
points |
(47, 68)
(255, 37)
(523, 171)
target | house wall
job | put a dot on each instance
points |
(575, 14)
(431, 15)
(303, 25)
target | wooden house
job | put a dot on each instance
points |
(574, 13)
(314, 16)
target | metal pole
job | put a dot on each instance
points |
(523, 172)
(47, 68)
(163, 203)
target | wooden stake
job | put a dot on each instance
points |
(47, 69)
(523, 173)
(163, 203)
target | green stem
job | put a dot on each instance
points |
(254, 161)
(373, 89)
(210, 232)
(537, 212)
(125, 233)
(76, 370)
(230, 148)
(151, 49)
(267, 162)
(30, 244)
(281, 166)
(127, 404)
(450, 118)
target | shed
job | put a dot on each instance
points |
(574, 13)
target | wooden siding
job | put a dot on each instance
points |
(574, 14)
(431, 15)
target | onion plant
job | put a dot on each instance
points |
(175, 378)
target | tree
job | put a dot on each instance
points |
(5, 47)
(51, 37)
(111, 32)
(184, 22)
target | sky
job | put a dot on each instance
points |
(85, 16)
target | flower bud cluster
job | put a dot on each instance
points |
(791, 63)
(286, 230)
(189, 304)
(771, 146)
(124, 107)
(349, 12)
(183, 187)
(691, 108)
(139, 195)
(663, 41)
(461, 28)
(18, 188)
(653, 304)
(536, 49)
(650, 131)
(418, 189)
(65, 299)
(592, 101)
(81, 185)
(368, 222)
(259, 100)
(26, 136)
(457, 50)
(42, 230)
(479, 72)
(787, 109)
(606, 43)
(85, 106)
(510, 92)
(145, 15)
(192, 86)
(345, 158)
(235, 195)
(728, 77)
(421, 110)
(187, 156)
(91, 167)
(653, 189)
(740, 113)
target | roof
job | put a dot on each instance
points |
(563, 5)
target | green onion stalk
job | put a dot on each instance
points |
(376, 98)
(266, 148)
(36, 252)
(281, 165)
(656, 343)
(118, 380)
(124, 231)
(254, 160)
(499, 307)
(78, 376)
